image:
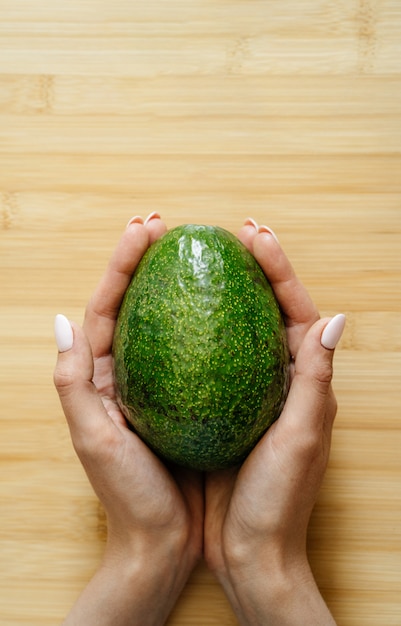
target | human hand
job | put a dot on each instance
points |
(257, 517)
(154, 520)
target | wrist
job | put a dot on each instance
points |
(274, 586)
(137, 583)
(160, 565)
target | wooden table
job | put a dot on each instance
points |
(207, 112)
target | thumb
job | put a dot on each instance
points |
(82, 405)
(311, 403)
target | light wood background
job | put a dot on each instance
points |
(209, 112)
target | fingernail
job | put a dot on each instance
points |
(251, 222)
(333, 331)
(135, 220)
(269, 231)
(152, 216)
(63, 333)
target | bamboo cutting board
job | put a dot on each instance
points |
(208, 112)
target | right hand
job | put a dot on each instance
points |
(257, 516)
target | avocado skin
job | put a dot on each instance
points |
(200, 352)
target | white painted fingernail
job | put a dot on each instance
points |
(269, 231)
(63, 333)
(251, 222)
(137, 219)
(152, 216)
(333, 331)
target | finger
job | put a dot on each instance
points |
(292, 295)
(310, 407)
(297, 306)
(83, 407)
(155, 227)
(102, 310)
(103, 307)
(248, 233)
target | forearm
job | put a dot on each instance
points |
(131, 591)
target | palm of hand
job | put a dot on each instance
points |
(121, 467)
(279, 481)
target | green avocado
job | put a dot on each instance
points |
(200, 351)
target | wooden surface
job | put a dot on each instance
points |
(207, 112)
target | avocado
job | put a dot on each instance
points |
(200, 351)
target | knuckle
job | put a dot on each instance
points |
(308, 441)
(311, 450)
(97, 445)
(321, 376)
(63, 379)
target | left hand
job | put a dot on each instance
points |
(153, 518)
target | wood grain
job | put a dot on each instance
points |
(208, 112)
